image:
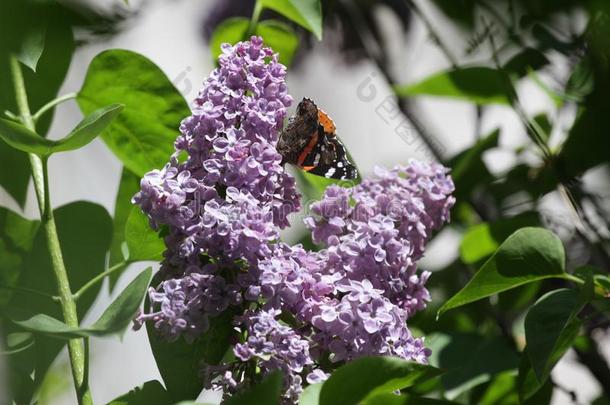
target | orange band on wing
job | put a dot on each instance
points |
(327, 123)
(307, 150)
(308, 168)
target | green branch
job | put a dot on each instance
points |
(52, 104)
(78, 358)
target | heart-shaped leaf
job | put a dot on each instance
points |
(143, 136)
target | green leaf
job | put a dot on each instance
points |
(480, 241)
(393, 399)
(16, 241)
(528, 255)
(128, 187)
(311, 395)
(88, 129)
(14, 172)
(33, 44)
(280, 37)
(277, 35)
(21, 138)
(230, 31)
(266, 392)
(479, 85)
(142, 137)
(551, 326)
(581, 81)
(313, 186)
(470, 359)
(142, 241)
(369, 376)
(114, 319)
(306, 13)
(179, 362)
(151, 392)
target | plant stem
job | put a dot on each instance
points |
(99, 278)
(256, 14)
(76, 351)
(52, 104)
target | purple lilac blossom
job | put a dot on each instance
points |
(222, 209)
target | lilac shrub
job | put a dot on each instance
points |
(221, 202)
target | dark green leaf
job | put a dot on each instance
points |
(33, 44)
(266, 392)
(277, 35)
(524, 61)
(528, 255)
(151, 392)
(17, 342)
(369, 376)
(459, 11)
(14, 172)
(468, 170)
(306, 13)
(143, 135)
(551, 325)
(84, 254)
(471, 360)
(480, 241)
(16, 239)
(128, 187)
(311, 395)
(143, 242)
(479, 85)
(41, 86)
(179, 362)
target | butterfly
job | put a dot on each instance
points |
(310, 142)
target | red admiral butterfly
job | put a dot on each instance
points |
(310, 142)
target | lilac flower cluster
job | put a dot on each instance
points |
(222, 208)
(230, 197)
(357, 293)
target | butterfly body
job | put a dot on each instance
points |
(310, 142)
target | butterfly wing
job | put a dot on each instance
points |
(329, 159)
